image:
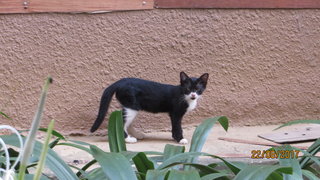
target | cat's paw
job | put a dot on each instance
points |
(130, 139)
(183, 141)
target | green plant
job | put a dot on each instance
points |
(5, 115)
(32, 147)
(173, 163)
(29, 144)
(309, 165)
(44, 152)
(166, 165)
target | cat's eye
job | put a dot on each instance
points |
(188, 90)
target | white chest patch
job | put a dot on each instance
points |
(192, 105)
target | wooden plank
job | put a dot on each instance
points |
(237, 3)
(302, 134)
(256, 142)
(94, 6)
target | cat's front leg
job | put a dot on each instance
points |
(177, 132)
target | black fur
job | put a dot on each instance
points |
(139, 94)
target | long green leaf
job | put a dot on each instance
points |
(235, 167)
(53, 161)
(261, 172)
(4, 115)
(82, 173)
(202, 131)
(143, 164)
(85, 167)
(171, 150)
(312, 151)
(156, 157)
(97, 174)
(80, 143)
(54, 143)
(203, 169)
(116, 133)
(184, 175)
(114, 165)
(290, 162)
(275, 176)
(187, 155)
(180, 158)
(299, 122)
(156, 174)
(214, 176)
(309, 157)
(29, 144)
(312, 169)
(44, 152)
(309, 175)
(31, 177)
(129, 154)
(54, 132)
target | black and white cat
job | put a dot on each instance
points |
(138, 94)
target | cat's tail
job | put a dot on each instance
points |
(104, 105)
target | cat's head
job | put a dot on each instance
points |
(192, 88)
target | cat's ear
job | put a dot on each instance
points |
(183, 76)
(204, 78)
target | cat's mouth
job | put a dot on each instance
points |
(193, 98)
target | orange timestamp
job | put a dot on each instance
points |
(275, 154)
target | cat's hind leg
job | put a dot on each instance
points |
(128, 117)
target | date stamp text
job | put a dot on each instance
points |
(275, 154)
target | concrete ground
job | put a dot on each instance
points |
(156, 141)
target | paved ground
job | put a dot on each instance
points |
(156, 141)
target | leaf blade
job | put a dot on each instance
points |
(260, 172)
(183, 175)
(5, 115)
(116, 133)
(171, 150)
(53, 161)
(29, 144)
(114, 165)
(156, 174)
(143, 164)
(299, 122)
(202, 131)
(290, 162)
(44, 152)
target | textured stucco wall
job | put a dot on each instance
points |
(263, 64)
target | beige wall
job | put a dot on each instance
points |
(263, 64)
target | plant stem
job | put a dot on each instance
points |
(28, 147)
